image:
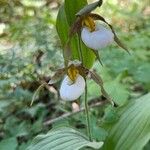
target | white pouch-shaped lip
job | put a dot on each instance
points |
(97, 39)
(71, 92)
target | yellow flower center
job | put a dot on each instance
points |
(89, 23)
(73, 73)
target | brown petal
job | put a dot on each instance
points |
(57, 76)
(99, 81)
(97, 56)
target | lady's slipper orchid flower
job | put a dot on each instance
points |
(71, 92)
(72, 86)
(96, 36)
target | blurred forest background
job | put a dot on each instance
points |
(30, 52)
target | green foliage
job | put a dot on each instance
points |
(117, 91)
(8, 143)
(132, 129)
(71, 9)
(62, 138)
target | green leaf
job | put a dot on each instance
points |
(147, 147)
(98, 133)
(24, 146)
(63, 32)
(65, 18)
(72, 7)
(63, 138)
(110, 115)
(62, 26)
(15, 128)
(131, 132)
(7, 144)
(142, 73)
(97, 56)
(4, 104)
(117, 92)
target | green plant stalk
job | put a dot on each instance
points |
(85, 98)
(87, 113)
(79, 49)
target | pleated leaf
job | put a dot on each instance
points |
(62, 139)
(132, 131)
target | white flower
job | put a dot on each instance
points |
(70, 92)
(97, 39)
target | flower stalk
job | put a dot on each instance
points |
(79, 49)
(87, 113)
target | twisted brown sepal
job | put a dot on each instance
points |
(88, 8)
(116, 39)
(97, 56)
(84, 72)
(99, 81)
(57, 76)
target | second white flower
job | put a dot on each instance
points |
(70, 92)
(97, 39)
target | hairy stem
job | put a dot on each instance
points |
(87, 113)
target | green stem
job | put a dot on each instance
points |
(79, 49)
(87, 113)
(85, 100)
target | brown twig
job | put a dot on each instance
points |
(48, 122)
